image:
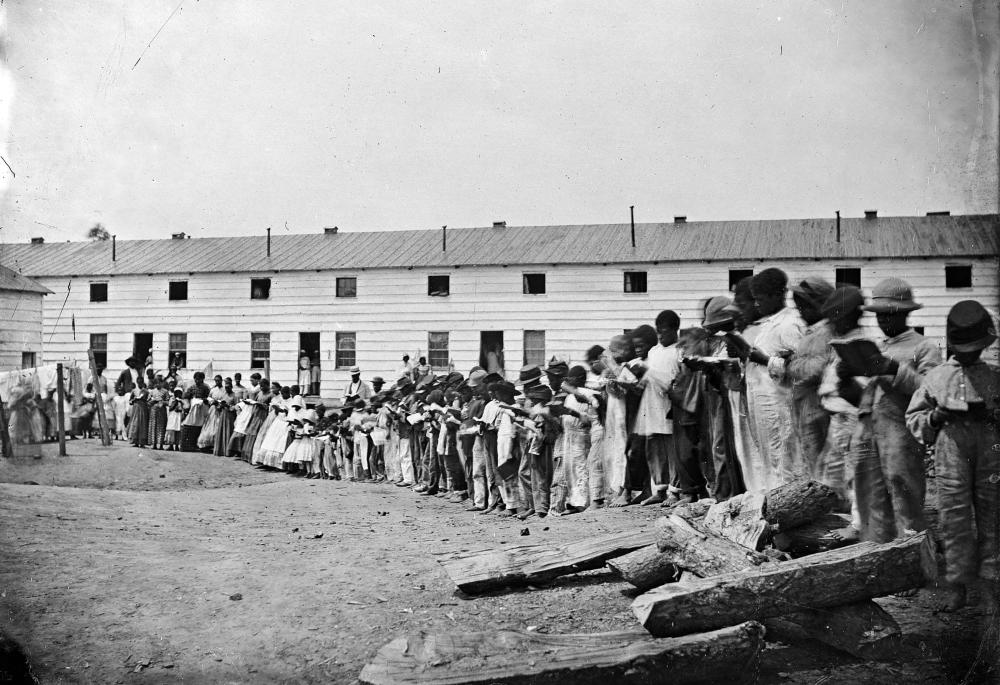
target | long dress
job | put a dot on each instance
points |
(206, 440)
(259, 413)
(138, 429)
(227, 416)
(276, 406)
(158, 398)
(276, 440)
(191, 427)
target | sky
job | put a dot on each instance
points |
(218, 117)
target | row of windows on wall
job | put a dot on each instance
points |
(955, 276)
(345, 345)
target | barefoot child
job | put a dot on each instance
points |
(957, 409)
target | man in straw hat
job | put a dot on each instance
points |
(888, 463)
(357, 388)
(957, 409)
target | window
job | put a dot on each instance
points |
(847, 275)
(635, 281)
(98, 292)
(534, 348)
(438, 286)
(177, 348)
(958, 276)
(347, 350)
(99, 344)
(260, 350)
(437, 351)
(347, 286)
(533, 284)
(28, 360)
(260, 288)
(178, 290)
(737, 275)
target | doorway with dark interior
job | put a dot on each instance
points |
(309, 363)
(142, 349)
(491, 351)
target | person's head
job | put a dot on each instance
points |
(90, 387)
(538, 396)
(621, 349)
(132, 362)
(178, 393)
(555, 373)
(892, 302)
(295, 390)
(218, 380)
(643, 340)
(844, 309)
(744, 307)
(406, 358)
(593, 359)
(809, 296)
(100, 370)
(150, 374)
(199, 377)
(716, 317)
(275, 388)
(355, 374)
(286, 392)
(422, 361)
(667, 325)
(255, 379)
(228, 384)
(237, 377)
(577, 376)
(970, 330)
(377, 383)
(320, 410)
(768, 289)
(159, 380)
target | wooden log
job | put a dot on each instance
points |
(814, 537)
(862, 629)
(797, 503)
(840, 576)
(102, 420)
(528, 564)
(691, 546)
(515, 657)
(741, 519)
(60, 410)
(645, 568)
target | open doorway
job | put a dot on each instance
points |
(491, 351)
(309, 363)
(142, 348)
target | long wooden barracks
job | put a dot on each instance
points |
(461, 296)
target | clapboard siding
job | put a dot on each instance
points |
(21, 330)
(392, 313)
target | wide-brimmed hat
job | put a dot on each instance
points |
(355, 369)
(491, 378)
(891, 296)
(814, 289)
(476, 378)
(539, 393)
(844, 300)
(970, 327)
(529, 373)
(378, 379)
(504, 391)
(716, 313)
(557, 367)
(297, 401)
(453, 379)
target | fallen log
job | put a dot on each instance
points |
(691, 546)
(818, 536)
(863, 629)
(840, 576)
(645, 568)
(492, 569)
(515, 657)
(751, 520)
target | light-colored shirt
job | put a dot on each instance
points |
(663, 365)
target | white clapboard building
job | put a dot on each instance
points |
(21, 314)
(519, 294)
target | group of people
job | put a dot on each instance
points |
(758, 394)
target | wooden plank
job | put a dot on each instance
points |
(491, 569)
(60, 409)
(645, 568)
(841, 576)
(102, 419)
(509, 657)
(7, 445)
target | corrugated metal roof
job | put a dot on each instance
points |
(11, 280)
(934, 236)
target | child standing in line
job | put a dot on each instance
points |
(175, 414)
(120, 403)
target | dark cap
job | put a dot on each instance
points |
(844, 300)
(814, 289)
(577, 376)
(504, 391)
(970, 327)
(539, 393)
(557, 367)
(529, 373)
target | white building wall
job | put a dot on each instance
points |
(392, 312)
(21, 327)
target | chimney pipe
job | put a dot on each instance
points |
(114, 247)
(871, 213)
(680, 219)
(444, 238)
(38, 241)
(499, 224)
(944, 213)
(330, 231)
(631, 211)
(838, 225)
(268, 241)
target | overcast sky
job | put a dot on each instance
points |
(366, 115)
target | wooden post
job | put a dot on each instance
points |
(8, 447)
(60, 411)
(102, 418)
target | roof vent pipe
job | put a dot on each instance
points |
(680, 219)
(38, 241)
(838, 225)
(268, 241)
(114, 247)
(499, 224)
(871, 213)
(330, 231)
(177, 236)
(631, 211)
(444, 238)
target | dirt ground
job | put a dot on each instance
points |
(136, 566)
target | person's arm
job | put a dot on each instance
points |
(924, 418)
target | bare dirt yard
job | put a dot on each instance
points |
(136, 566)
